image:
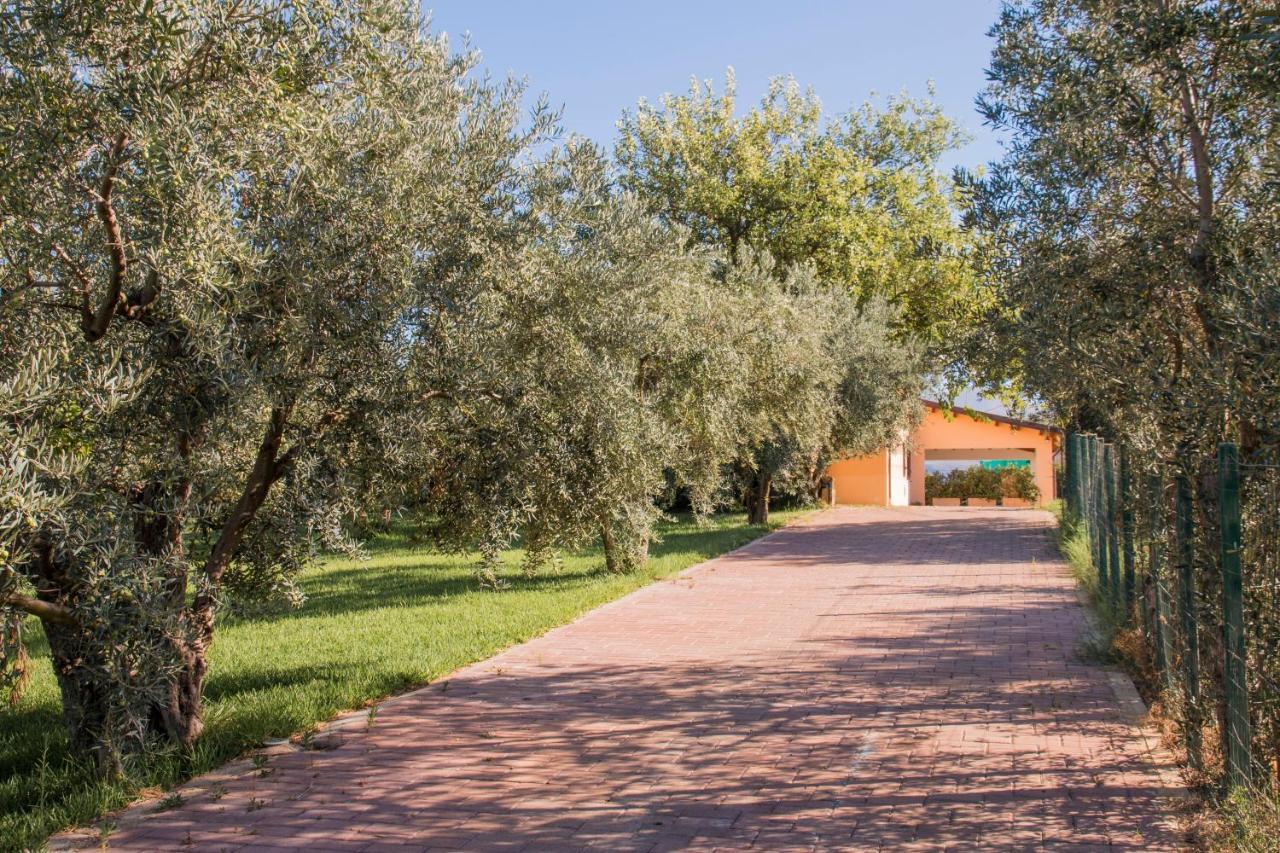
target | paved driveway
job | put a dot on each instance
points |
(873, 678)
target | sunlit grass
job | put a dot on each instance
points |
(402, 618)
(1073, 542)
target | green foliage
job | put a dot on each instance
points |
(860, 198)
(1073, 544)
(226, 210)
(404, 617)
(1134, 219)
(978, 482)
(1251, 821)
(610, 359)
(826, 377)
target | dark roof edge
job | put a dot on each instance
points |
(1003, 419)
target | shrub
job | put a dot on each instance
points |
(979, 482)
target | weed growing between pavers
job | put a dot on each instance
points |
(368, 629)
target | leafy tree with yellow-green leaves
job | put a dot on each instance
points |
(860, 197)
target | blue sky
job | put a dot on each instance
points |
(596, 59)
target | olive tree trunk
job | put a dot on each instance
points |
(111, 706)
(756, 497)
(98, 711)
(624, 551)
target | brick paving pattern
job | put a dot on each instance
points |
(869, 679)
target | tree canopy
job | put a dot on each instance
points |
(860, 197)
(610, 362)
(214, 219)
(1134, 218)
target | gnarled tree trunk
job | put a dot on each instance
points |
(86, 704)
(611, 557)
(180, 716)
(107, 715)
(95, 709)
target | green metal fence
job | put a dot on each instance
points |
(1187, 552)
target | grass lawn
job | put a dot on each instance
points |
(368, 629)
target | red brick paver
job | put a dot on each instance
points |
(871, 679)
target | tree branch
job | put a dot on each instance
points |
(45, 610)
(61, 306)
(267, 468)
(30, 282)
(137, 303)
(94, 323)
(78, 271)
(441, 394)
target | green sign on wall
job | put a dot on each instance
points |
(996, 464)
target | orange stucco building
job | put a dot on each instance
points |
(894, 476)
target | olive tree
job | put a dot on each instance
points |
(827, 378)
(599, 359)
(212, 220)
(1133, 219)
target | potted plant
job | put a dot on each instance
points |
(1018, 487)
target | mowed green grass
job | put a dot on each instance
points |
(368, 629)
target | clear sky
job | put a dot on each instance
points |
(595, 59)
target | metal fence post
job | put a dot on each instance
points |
(1073, 474)
(1104, 521)
(1183, 528)
(1164, 622)
(1113, 536)
(1236, 735)
(1095, 515)
(1084, 480)
(1126, 520)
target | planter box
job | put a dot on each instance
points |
(1019, 503)
(946, 502)
(981, 502)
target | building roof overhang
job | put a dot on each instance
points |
(1001, 419)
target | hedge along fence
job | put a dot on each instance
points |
(1188, 553)
(980, 482)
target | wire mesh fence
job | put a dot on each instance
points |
(1187, 553)
(1258, 650)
